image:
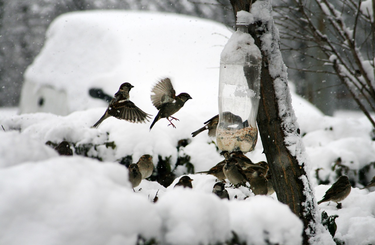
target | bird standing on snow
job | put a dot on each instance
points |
(164, 98)
(135, 177)
(219, 190)
(121, 107)
(338, 191)
(145, 165)
(210, 125)
(184, 181)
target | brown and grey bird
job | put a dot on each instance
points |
(220, 191)
(338, 191)
(234, 173)
(184, 181)
(121, 107)
(163, 97)
(135, 177)
(243, 161)
(231, 121)
(216, 171)
(145, 165)
(258, 182)
(270, 189)
(210, 125)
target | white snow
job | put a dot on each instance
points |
(51, 199)
(110, 47)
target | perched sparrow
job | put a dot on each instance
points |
(265, 173)
(259, 185)
(258, 182)
(230, 121)
(270, 189)
(219, 190)
(210, 125)
(145, 165)
(135, 177)
(264, 168)
(216, 171)
(338, 191)
(184, 181)
(234, 173)
(64, 148)
(121, 107)
(244, 162)
(164, 98)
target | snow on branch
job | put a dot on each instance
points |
(343, 30)
(262, 11)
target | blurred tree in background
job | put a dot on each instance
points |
(330, 44)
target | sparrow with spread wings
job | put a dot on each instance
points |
(121, 107)
(164, 98)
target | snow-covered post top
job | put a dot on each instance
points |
(239, 90)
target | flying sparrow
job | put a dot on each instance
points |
(135, 177)
(164, 98)
(184, 181)
(220, 191)
(210, 125)
(145, 165)
(121, 107)
(338, 191)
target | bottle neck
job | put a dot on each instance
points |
(242, 28)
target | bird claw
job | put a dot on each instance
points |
(170, 121)
(172, 125)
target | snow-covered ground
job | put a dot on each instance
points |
(52, 199)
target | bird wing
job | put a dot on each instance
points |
(337, 187)
(215, 118)
(127, 110)
(162, 93)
